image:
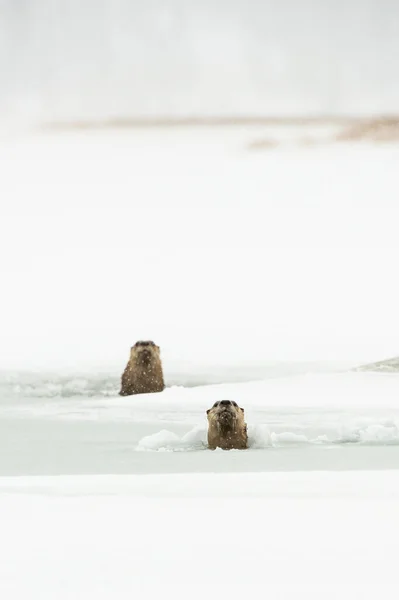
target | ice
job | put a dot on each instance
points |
(168, 441)
(262, 436)
(379, 434)
(158, 441)
(288, 437)
(259, 436)
(292, 422)
(196, 437)
(297, 411)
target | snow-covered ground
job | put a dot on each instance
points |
(281, 535)
(224, 255)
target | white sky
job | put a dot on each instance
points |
(132, 58)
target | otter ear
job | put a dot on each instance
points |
(208, 411)
(242, 410)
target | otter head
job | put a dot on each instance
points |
(143, 352)
(225, 414)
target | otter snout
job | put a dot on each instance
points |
(145, 356)
(226, 409)
(225, 412)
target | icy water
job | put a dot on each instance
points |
(330, 421)
(35, 447)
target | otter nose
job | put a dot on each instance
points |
(225, 402)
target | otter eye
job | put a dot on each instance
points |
(235, 404)
(216, 404)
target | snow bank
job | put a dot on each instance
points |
(261, 437)
(376, 433)
(168, 441)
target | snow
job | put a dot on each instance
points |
(390, 365)
(261, 437)
(291, 535)
(162, 440)
(226, 257)
(263, 276)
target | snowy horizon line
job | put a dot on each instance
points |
(215, 120)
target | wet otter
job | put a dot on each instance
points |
(226, 426)
(143, 373)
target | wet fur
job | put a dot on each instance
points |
(143, 376)
(227, 434)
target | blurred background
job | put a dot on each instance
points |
(99, 60)
(218, 176)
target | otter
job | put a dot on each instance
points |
(143, 373)
(226, 426)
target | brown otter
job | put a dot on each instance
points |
(226, 426)
(143, 373)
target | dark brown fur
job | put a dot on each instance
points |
(226, 426)
(143, 373)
